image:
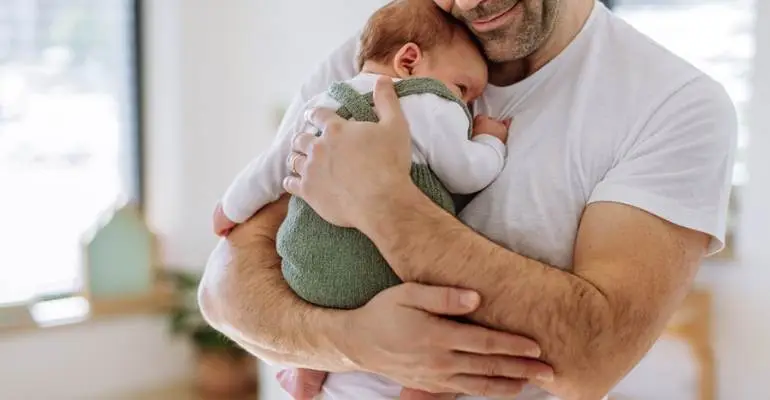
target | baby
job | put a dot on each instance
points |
(438, 70)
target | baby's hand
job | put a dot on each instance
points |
(222, 224)
(483, 124)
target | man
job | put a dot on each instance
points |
(616, 186)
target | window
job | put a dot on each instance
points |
(717, 37)
(69, 135)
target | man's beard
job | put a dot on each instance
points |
(516, 40)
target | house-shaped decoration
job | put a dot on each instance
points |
(120, 260)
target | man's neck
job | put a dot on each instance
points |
(572, 16)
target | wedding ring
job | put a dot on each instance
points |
(293, 157)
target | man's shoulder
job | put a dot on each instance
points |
(641, 61)
(642, 75)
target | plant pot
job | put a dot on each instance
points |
(226, 374)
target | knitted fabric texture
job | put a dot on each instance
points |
(336, 267)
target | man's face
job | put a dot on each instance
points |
(507, 29)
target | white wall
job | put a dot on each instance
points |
(235, 64)
(743, 290)
(91, 361)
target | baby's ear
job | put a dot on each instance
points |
(409, 56)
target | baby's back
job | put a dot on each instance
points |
(418, 109)
(338, 267)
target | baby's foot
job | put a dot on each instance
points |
(222, 224)
(413, 394)
(302, 384)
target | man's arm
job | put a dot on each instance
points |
(631, 269)
(593, 324)
(244, 295)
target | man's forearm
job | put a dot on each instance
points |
(569, 317)
(244, 295)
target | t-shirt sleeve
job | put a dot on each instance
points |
(261, 181)
(680, 167)
(339, 66)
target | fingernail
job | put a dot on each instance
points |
(545, 377)
(469, 299)
(533, 352)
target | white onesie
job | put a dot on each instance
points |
(439, 129)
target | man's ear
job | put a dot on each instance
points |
(408, 57)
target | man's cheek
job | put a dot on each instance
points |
(445, 5)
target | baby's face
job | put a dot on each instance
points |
(459, 65)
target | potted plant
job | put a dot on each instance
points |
(224, 370)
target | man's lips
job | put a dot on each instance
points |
(492, 21)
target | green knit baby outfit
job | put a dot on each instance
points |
(336, 267)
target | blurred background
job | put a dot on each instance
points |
(122, 121)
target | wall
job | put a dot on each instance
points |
(235, 65)
(91, 361)
(743, 302)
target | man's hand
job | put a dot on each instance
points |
(403, 338)
(399, 335)
(381, 152)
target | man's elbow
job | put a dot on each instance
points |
(208, 306)
(610, 352)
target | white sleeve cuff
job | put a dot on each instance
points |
(701, 220)
(494, 143)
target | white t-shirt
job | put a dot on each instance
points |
(439, 130)
(615, 117)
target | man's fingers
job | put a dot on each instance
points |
(296, 163)
(414, 394)
(386, 102)
(479, 340)
(292, 185)
(486, 386)
(322, 117)
(303, 143)
(438, 300)
(503, 367)
(507, 123)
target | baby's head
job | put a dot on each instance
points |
(415, 38)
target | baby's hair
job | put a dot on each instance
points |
(399, 22)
